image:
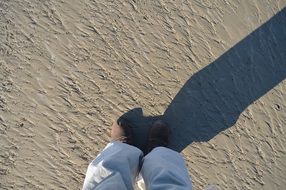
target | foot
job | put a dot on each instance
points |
(121, 131)
(158, 135)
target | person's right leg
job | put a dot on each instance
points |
(163, 168)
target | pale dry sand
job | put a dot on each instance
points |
(67, 68)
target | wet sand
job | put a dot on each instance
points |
(68, 68)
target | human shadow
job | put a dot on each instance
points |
(213, 98)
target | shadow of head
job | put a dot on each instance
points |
(213, 98)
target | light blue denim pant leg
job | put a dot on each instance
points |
(165, 169)
(115, 168)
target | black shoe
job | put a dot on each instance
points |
(121, 131)
(159, 135)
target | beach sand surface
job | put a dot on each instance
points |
(68, 68)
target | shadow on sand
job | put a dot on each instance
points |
(213, 98)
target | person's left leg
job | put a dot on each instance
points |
(116, 167)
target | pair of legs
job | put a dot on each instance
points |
(119, 164)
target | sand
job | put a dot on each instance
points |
(215, 70)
